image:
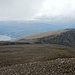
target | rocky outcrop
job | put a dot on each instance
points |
(65, 38)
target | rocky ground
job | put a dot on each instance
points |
(54, 67)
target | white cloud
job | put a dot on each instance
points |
(19, 9)
(57, 9)
(37, 9)
(5, 38)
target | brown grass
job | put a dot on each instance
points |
(20, 54)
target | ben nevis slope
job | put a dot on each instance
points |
(62, 37)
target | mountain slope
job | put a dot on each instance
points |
(61, 37)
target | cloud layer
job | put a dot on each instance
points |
(5, 38)
(37, 9)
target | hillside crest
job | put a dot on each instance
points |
(61, 37)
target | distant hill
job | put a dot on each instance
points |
(61, 37)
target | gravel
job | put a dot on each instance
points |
(65, 66)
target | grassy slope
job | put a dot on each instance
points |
(20, 54)
(43, 34)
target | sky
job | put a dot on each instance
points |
(29, 16)
(41, 10)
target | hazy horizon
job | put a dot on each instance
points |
(11, 30)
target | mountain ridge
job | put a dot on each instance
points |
(62, 37)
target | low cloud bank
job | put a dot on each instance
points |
(5, 38)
